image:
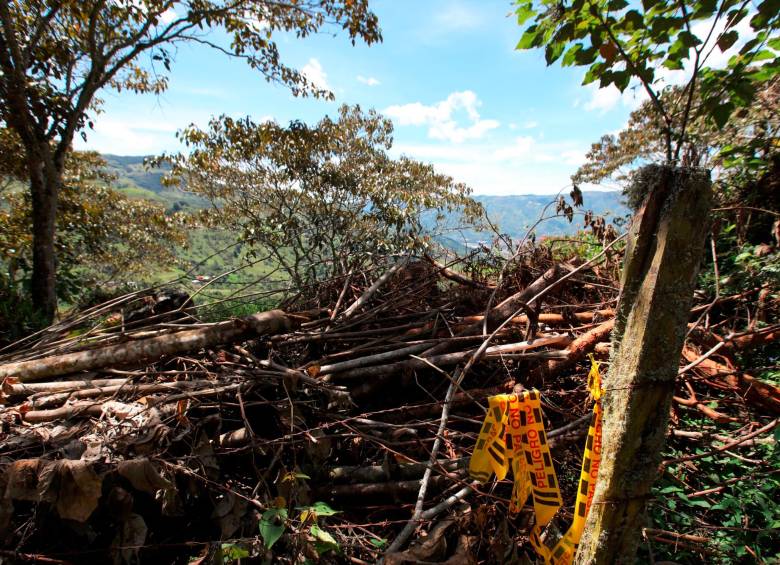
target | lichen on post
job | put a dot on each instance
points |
(662, 259)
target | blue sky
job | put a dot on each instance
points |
(447, 73)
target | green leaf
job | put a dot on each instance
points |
(320, 509)
(615, 5)
(704, 9)
(670, 489)
(323, 536)
(647, 4)
(621, 79)
(728, 39)
(586, 56)
(633, 20)
(529, 38)
(553, 51)
(378, 543)
(272, 525)
(661, 26)
(571, 55)
(232, 552)
(594, 72)
(673, 64)
(688, 39)
(524, 11)
(765, 55)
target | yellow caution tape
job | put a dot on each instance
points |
(513, 435)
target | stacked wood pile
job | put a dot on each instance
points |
(166, 440)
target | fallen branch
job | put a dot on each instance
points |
(576, 351)
(752, 389)
(767, 428)
(265, 323)
(449, 359)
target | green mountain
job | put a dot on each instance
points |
(137, 180)
(514, 214)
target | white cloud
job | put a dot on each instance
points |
(521, 148)
(603, 99)
(315, 74)
(524, 165)
(531, 124)
(168, 16)
(129, 136)
(370, 81)
(440, 118)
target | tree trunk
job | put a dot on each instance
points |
(664, 249)
(45, 180)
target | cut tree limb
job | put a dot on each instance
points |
(555, 319)
(449, 359)
(750, 388)
(265, 323)
(577, 350)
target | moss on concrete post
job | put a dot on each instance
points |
(662, 259)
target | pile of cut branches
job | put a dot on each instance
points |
(337, 428)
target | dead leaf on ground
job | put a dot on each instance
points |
(143, 475)
(73, 487)
(433, 548)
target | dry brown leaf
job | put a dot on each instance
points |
(73, 487)
(143, 475)
(22, 478)
(432, 549)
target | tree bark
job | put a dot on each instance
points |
(264, 323)
(45, 180)
(662, 258)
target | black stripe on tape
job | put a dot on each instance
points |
(586, 465)
(498, 457)
(589, 443)
(581, 510)
(551, 481)
(547, 461)
(583, 487)
(546, 502)
(537, 415)
(545, 494)
(486, 427)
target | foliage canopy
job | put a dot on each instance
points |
(319, 199)
(623, 43)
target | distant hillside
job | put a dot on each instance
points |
(513, 214)
(138, 181)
